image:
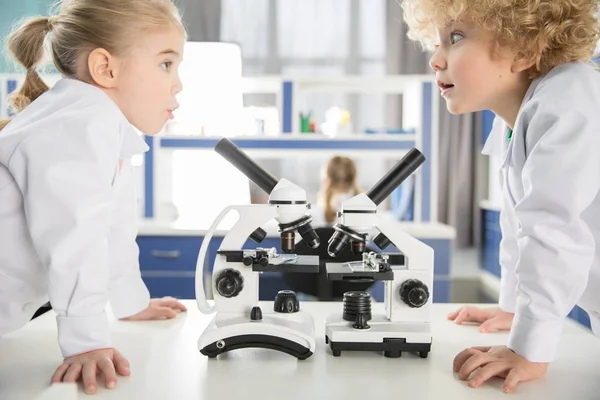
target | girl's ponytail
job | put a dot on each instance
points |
(27, 46)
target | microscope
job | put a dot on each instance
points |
(240, 322)
(408, 276)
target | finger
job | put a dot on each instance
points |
(108, 370)
(463, 356)
(452, 316)
(180, 307)
(470, 314)
(491, 325)
(59, 373)
(172, 303)
(89, 377)
(492, 369)
(73, 373)
(511, 381)
(165, 312)
(472, 363)
(494, 324)
(121, 364)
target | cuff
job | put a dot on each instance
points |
(536, 340)
(128, 297)
(81, 334)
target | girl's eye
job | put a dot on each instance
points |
(455, 37)
(166, 65)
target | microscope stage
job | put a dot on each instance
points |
(304, 264)
(342, 272)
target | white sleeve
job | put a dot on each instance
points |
(127, 293)
(68, 199)
(508, 260)
(508, 244)
(561, 178)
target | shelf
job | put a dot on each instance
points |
(299, 142)
(389, 84)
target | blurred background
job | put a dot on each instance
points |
(328, 94)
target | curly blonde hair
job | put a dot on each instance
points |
(549, 32)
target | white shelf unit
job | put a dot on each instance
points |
(420, 112)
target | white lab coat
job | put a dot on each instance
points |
(550, 218)
(68, 215)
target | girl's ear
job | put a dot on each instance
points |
(102, 65)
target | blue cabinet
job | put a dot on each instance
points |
(169, 253)
(168, 266)
(491, 237)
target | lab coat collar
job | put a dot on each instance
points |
(133, 142)
(494, 144)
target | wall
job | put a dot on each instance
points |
(11, 11)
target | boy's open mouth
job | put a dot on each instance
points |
(443, 85)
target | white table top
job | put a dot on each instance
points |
(166, 364)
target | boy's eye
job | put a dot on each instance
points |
(166, 65)
(455, 37)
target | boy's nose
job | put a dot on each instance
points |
(437, 61)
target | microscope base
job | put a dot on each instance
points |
(292, 334)
(391, 338)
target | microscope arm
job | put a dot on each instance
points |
(250, 218)
(417, 255)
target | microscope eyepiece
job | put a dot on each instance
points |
(229, 151)
(402, 170)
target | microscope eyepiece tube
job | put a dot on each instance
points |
(402, 170)
(229, 151)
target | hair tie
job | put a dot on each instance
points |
(51, 22)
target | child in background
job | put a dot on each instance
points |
(339, 184)
(67, 199)
(528, 61)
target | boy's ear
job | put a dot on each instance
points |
(523, 61)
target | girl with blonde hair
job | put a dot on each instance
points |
(67, 200)
(339, 184)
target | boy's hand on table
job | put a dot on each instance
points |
(496, 361)
(491, 319)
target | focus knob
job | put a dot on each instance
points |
(286, 302)
(414, 293)
(230, 283)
